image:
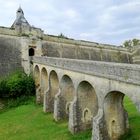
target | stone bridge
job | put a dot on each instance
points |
(87, 93)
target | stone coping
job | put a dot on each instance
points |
(51, 38)
(128, 73)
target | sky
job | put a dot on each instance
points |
(103, 21)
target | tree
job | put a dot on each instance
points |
(131, 43)
(127, 44)
(62, 36)
(135, 42)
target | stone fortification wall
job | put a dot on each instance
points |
(15, 45)
(54, 46)
(29, 31)
(7, 31)
(22, 31)
(68, 48)
(10, 54)
(136, 54)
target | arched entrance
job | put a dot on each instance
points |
(88, 104)
(67, 94)
(116, 118)
(54, 88)
(44, 82)
(37, 76)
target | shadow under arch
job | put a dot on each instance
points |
(44, 82)
(67, 94)
(87, 103)
(54, 88)
(115, 114)
(37, 76)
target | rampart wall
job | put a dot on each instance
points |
(10, 54)
(76, 49)
(12, 49)
(7, 31)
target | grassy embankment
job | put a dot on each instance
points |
(28, 122)
(134, 121)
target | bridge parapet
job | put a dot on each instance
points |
(128, 73)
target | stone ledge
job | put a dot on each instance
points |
(128, 73)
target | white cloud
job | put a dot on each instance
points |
(71, 13)
(103, 21)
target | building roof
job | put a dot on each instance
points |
(20, 19)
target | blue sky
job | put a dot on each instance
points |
(104, 21)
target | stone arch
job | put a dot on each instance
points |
(54, 88)
(37, 76)
(88, 104)
(67, 93)
(116, 117)
(44, 82)
(44, 78)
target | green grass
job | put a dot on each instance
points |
(134, 120)
(28, 122)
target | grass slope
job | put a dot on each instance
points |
(28, 122)
(134, 120)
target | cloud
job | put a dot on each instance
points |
(118, 22)
(96, 20)
(71, 13)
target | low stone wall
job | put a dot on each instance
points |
(128, 73)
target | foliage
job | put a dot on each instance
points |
(9, 103)
(23, 100)
(128, 136)
(62, 36)
(4, 89)
(24, 34)
(17, 85)
(131, 43)
(135, 42)
(134, 120)
(127, 44)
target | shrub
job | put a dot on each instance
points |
(23, 100)
(17, 85)
(128, 136)
(4, 89)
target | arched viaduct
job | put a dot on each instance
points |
(88, 93)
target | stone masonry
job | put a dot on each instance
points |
(81, 81)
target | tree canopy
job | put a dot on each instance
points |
(131, 43)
